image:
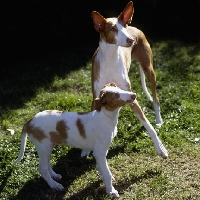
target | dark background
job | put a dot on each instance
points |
(41, 39)
(34, 26)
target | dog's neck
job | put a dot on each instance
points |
(112, 115)
(107, 48)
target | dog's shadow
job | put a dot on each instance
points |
(71, 166)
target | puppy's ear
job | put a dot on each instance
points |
(99, 101)
(126, 15)
(103, 99)
(99, 21)
(97, 104)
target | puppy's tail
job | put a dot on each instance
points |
(22, 146)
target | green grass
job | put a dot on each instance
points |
(64, 84)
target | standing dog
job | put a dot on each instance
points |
(118, 45)
(92, 131)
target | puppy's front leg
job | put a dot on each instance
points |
(100, 156)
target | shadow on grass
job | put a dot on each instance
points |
(22, 75)
(98, 193)
(5, 179)
(71, 167)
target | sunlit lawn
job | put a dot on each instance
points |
(139, 172)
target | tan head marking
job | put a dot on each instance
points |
(82, 113)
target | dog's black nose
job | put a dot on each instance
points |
(133, 96)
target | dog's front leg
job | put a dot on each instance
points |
(157, 143)
(100, 156)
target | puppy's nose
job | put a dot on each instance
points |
(130, 41)
(133, 96)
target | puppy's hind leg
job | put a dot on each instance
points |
(44, 153)
(54, 175)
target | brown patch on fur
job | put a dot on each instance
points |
(81, 128)
(36, 132)
(109, 33)
(59, 112)
(95, 76)
(138, 111)
(95, 67)
(48, 111)
(82, 113)
(60, 136)
(97, 104)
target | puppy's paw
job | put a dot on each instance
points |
(113, 193)
(57, 186)
(57, 177)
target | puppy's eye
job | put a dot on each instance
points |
(116, 95)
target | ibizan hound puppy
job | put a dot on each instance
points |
(92, 131)
(118, 45)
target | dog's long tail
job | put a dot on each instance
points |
(22, 146)
(144, 87)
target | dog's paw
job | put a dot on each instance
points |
(57, 177)
(85, 153)
(57, 186)
(159, 123)
(114, 193)
(162, 151)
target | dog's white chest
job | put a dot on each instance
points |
(113, 68)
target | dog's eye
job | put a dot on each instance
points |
(113, 28)
(116, 95)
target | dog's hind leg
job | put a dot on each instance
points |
(149, 72)
(142, 53)
(44, 153)
(157, 143)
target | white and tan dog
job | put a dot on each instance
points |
(118, 45)
(91, 131)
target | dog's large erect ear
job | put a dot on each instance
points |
(126, 15)
(99, 21)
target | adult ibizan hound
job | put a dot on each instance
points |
(118, 45)
(93, 130)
